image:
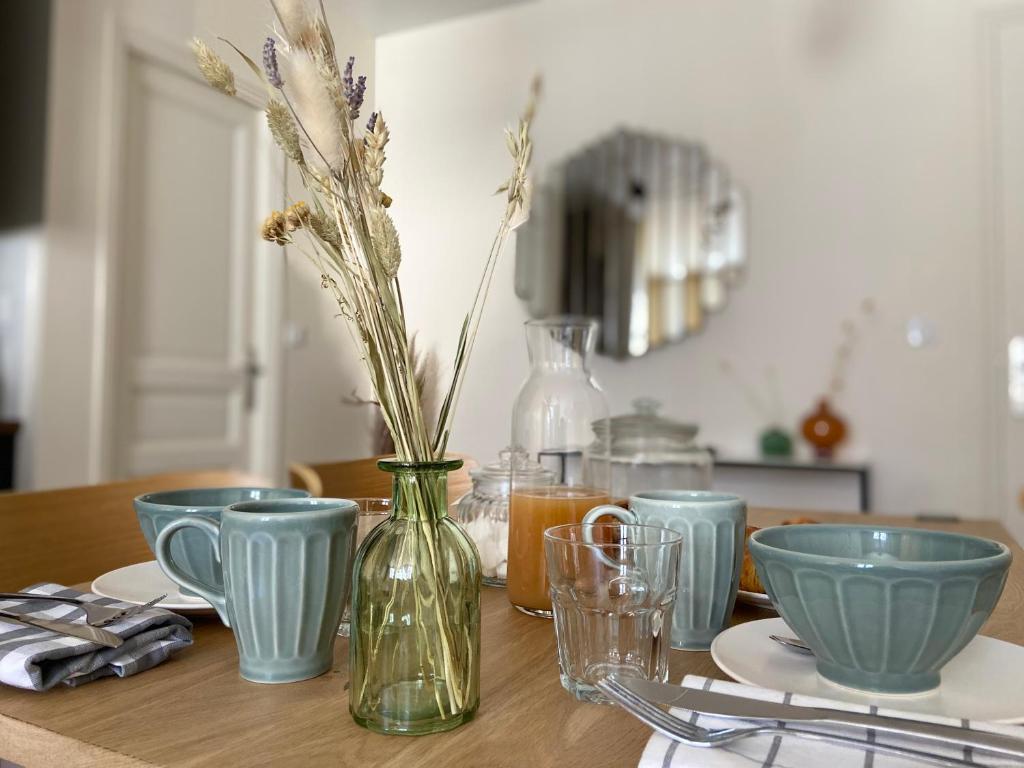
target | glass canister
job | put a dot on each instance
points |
(643, 451)
(483, 512)
(552, 423)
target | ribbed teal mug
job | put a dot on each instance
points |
(712, 525)
(287, 567)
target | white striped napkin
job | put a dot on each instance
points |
(774, 751)
(38, 659)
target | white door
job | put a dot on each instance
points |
(192, 191)
(1007, 176)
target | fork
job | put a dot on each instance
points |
(95, 615)
(697, 736)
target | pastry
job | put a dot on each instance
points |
(748, 575)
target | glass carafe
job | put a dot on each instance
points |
(552, 422)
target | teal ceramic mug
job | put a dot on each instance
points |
(191, 549)
(712, 525)
(287, 567)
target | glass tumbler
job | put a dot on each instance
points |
(613, 588)
(372, 512)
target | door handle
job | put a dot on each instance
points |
(251, 371)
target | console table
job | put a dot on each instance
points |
(796, 484)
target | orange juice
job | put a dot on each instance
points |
(531, 511)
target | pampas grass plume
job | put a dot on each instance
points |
(315, 108)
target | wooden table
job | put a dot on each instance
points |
(195, 710)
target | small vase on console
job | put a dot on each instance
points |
(824, 430)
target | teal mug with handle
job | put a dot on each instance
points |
(287, 567)
(712, 525)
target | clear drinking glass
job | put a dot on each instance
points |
(372, 512)
(613, 588)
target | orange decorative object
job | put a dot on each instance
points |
(824, 430)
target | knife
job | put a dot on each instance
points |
(724, 705)
(84, 631)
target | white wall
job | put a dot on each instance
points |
(20, 257)
(854, 125)
(19, 254)
(67, 373)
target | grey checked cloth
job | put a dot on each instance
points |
(38, 659)
(775, 751)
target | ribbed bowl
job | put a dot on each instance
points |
(190, 549)
(883, 609)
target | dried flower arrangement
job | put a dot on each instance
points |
(347, 233)
(408, 676)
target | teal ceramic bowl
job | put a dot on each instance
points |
(191, 549)
(883, 609)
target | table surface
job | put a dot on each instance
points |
(195, 710)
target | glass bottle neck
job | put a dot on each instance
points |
(561, 345)
(419, 491)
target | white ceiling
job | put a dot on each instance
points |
(381, 17)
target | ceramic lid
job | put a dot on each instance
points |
(644, 431)
(499, 472)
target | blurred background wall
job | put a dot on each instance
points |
(859, 128)
(856, 127)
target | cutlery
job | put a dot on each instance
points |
(696, 736)
(132, 610)
(724, 705)
(84, 631)
(792, 642)
(95, 615)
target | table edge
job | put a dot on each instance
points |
(28, 745)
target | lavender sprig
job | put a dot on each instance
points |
(346, 77)
(356, 101)
(270, 63)
(371, 123)
(352, 89)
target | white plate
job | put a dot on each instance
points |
(758, 599)
(141, 582)
(983, 682)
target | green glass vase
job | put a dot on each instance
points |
(414, 652)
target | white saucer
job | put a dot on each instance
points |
(758, 599)
(141, 582)
(983, 682)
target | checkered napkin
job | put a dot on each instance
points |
(38, 659)
(775, 751)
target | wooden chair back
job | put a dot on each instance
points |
(363, 478)
(73, 535)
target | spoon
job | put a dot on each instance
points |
(793, 642)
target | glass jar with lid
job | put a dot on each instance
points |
(552, 423)
(483, 512)
(643, 451)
